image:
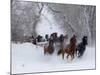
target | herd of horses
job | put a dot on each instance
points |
(71, 49)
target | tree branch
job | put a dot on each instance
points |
(54, 10)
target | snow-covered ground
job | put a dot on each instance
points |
(28, 58)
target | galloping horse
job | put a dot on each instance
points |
(50, 48)
(71, 48)
(61, 40)
(54, 36)
(82, 46)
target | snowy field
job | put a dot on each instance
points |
(29, 58)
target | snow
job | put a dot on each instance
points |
(29, 58)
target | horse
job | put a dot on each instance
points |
(47, 37)
(61, 40)
(70, 50)
(39, 38)
(34, 41)
(81, 47)
(54, 37)
(50, 48)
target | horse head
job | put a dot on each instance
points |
(73, 40)
(84, 39)
(61, 38)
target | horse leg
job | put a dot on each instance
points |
(59, 52)
(67, 56)
(72, 56)
(44, 52)
(62, 54)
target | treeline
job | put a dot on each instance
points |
(77, 19)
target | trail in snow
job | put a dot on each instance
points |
(27, 58)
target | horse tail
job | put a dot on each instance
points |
(63, 54)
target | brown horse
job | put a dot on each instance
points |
(50, 48)
(71, 48)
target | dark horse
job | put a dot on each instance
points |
(82, 46)
(61, 40)
(54, 36)
(39, 38)
(34, 40)
(50, 48)
(47, 37)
